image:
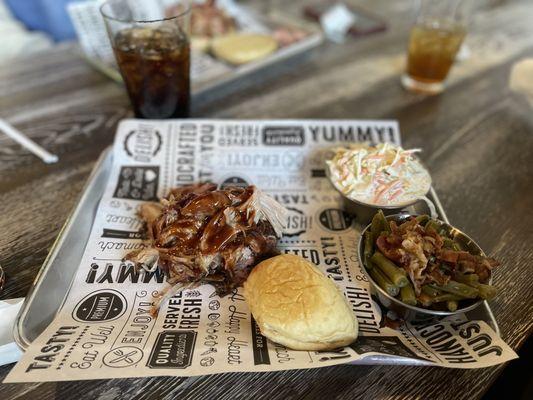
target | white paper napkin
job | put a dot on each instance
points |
(336, 22)
(9, 351)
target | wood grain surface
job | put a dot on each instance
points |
(477, 139)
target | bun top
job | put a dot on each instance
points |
(296, 305)
(243, 48)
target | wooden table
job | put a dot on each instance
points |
(477, 139)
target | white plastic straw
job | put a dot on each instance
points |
(27, 143)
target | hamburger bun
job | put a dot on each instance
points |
(296, 305)
(242, 48)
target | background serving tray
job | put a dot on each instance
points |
(52, 284)
(211, 78)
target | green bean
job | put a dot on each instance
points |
(378, 225)
(469, 279)
(486, 292)
(407, 294)
(452, 305)
(397, 275)
(383, 282)
(433, 225)
(459, 289)
(430, 295)
(384, 222)
(430, 291)
(446, 297)
(450, 244)
(375, 228)
(368, 249)
(445, 301)
(422, 219)
(460, 246)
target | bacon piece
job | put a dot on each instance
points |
(391, 248)
(437, 276)
(450, 256)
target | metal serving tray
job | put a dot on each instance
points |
(54, 280)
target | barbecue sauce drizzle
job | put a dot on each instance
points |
(199, 221)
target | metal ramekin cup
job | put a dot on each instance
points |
(406, 311)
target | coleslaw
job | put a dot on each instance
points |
(381, 175)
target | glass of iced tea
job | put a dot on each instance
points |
(153, 54)
(435, 39)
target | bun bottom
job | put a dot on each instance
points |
(294, 344)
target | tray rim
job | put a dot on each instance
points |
(23, 342)
(18, 334)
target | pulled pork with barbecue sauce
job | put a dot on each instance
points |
(198, 234)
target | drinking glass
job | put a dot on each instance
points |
(152, 49)
(435, 39)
